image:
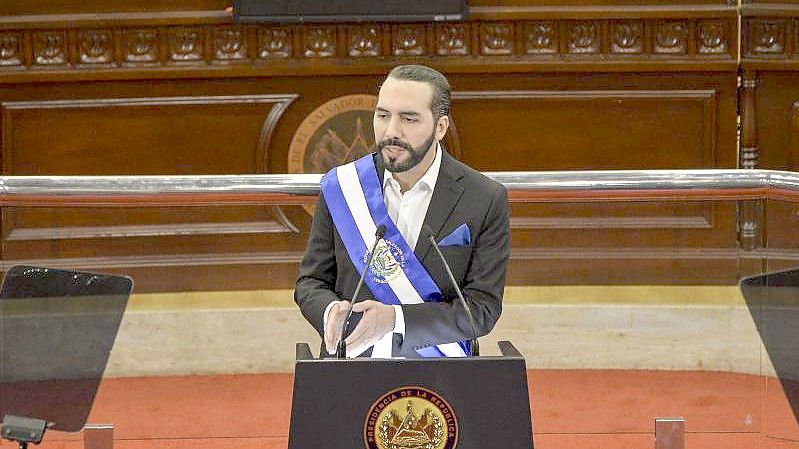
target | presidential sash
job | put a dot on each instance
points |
(354, 196)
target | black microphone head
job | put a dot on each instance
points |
(381, 231)
(427, 233)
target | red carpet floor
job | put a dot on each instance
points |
(574, 409)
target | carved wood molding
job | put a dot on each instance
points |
(651, 253)
(280, 225)
(602, 11)
(225, 49)
(704, 95)
(161, 260)
(770, 36)
(150, 101)
(181, 229)
(689, 222)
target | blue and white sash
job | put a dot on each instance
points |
(354, 197)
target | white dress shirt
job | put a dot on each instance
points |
(407, 210)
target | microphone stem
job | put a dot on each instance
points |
(475, 346)
(341, 349)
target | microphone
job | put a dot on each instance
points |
(341, 348)
(473, 343)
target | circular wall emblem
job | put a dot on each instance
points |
(335, 133)
(411, 418)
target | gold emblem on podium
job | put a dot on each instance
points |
(411, 418)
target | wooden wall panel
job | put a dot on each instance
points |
(661, 128)
(73, 136)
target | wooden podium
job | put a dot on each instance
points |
(441, 403)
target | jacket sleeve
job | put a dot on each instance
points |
(315, 287)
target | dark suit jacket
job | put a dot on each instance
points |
(461, 195)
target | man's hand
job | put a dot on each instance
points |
(377, 320)
(335, 319)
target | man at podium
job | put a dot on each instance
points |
(393, 200)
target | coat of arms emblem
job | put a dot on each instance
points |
(387, 263)
(411, 431)
(337, 132)
(411, 418)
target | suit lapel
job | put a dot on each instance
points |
(445, 198)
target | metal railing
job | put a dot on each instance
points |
(288, 189)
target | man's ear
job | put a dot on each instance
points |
(441, 127)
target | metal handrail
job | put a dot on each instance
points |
(288, 189)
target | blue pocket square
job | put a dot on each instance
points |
(461, 236)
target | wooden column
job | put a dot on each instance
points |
(750, 213)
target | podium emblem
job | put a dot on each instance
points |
(411, 418)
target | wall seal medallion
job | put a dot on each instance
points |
(337, 132)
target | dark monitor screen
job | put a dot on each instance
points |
(773, 301)
(298, 11)
(57, 328)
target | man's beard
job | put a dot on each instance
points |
(415, 155)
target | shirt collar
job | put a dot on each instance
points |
(428, 179)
